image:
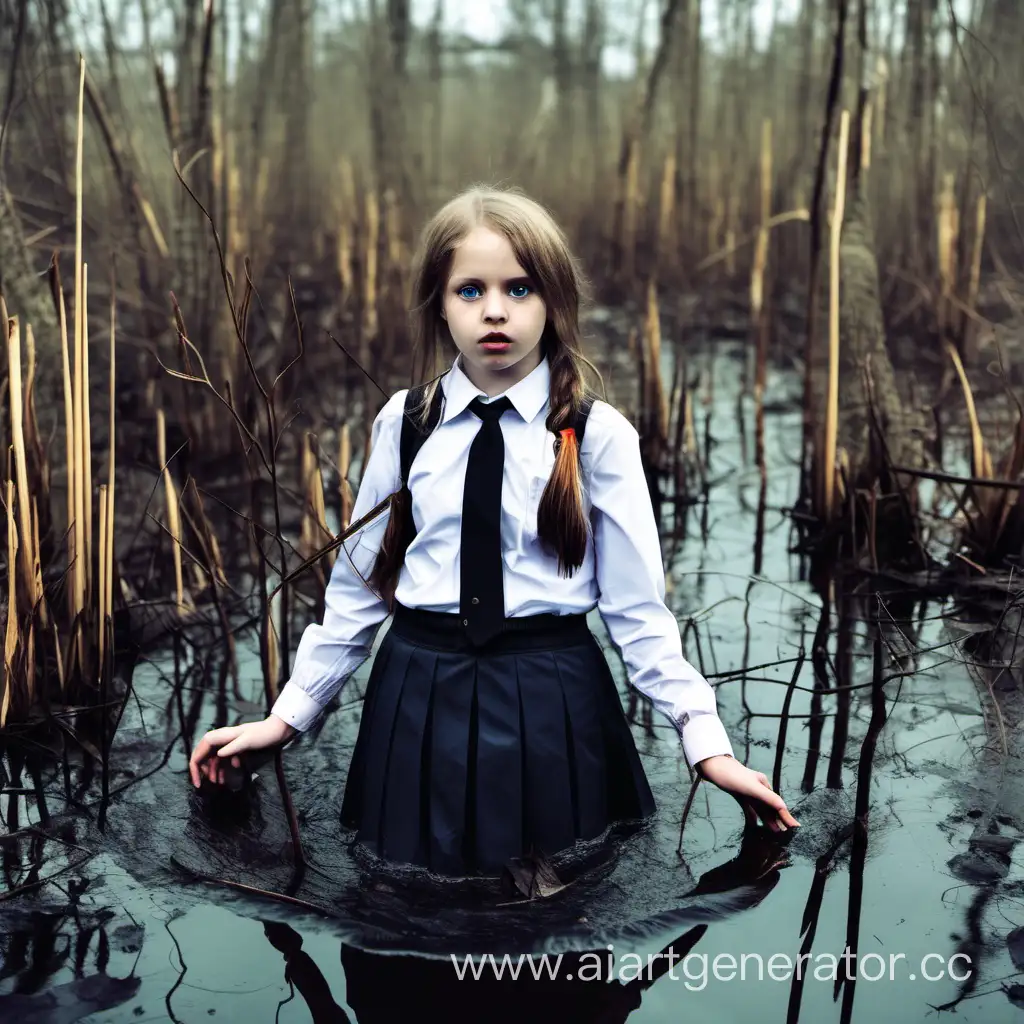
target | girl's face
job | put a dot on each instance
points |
(493, 310)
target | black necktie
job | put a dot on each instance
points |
(482, 597)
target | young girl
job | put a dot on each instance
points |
(492, 725)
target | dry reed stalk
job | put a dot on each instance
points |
(675, 400)
(371, 240)
(261, 187)
(981, 460)
(215, 558)
(344, 260)
(801, 213)
(306, 528)
(101, 617)
(631, 209)
(393, 231)
(371, 295)
(643, 393)
(108, 573)
(865, 136)
(948, 232)
(29, 649)
(757, 276)
(974, 275)
(882, 92)
(689, 428)
(344, 487)
(842, 474)
(273, 657)
(173, 520)
(11, 635)
(107, 567)
(156, 232)
(716, 223)
(228, 179)
(828, 454)
(233, 206)
(347, 195)
(37, 569)
(977, 247)
(731, 206)
(86, 443)
(32, 440)
(761, 249)
(75, 474)
(994, 504)
(656, 398)
(69, 430)
(322, 534)
(717, 218)
(344, 215)
(666, 208)
(25, 564)
(218, 158)
(257, 234)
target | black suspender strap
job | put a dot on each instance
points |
(579, 423)
(414, 430)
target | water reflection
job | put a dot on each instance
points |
(857, 695)
(40, 948)
(48, 943)
(589, 987)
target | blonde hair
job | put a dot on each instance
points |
(542, 250)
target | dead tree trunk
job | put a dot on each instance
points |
(874, 418)
(879, 427)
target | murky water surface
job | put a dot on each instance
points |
(748, 928)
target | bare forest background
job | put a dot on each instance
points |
(221, 201)
(319, 136)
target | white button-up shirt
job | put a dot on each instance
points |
(622, 573)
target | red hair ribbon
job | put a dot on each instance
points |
(568, 434)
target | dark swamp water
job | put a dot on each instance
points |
(114, 926)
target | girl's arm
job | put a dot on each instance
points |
(631, 581)
(329, 652)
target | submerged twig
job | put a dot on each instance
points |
(250, 889)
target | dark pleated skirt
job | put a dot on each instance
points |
(468, 757)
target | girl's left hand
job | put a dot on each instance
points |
(751, 789)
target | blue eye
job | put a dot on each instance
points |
(522, 289)
(468, 288)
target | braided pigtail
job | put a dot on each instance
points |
(562, 523)
(393, 546)
(399, 532)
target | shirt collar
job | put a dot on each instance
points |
(528, 396)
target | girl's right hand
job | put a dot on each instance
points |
(208, 758)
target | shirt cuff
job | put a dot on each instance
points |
(703, 736)
(296, 707)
